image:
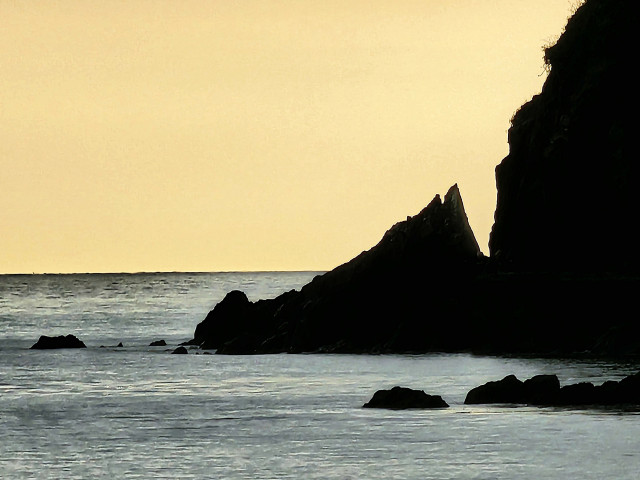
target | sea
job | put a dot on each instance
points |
(138, 411)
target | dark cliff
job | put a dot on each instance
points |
(567, 190)
(564, 269)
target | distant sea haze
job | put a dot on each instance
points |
(137, 411)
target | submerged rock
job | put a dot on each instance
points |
(68, 341)
(399, 398)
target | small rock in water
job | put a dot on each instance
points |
(158, 343)
(69, 341)
(180, 350)
(401, 398)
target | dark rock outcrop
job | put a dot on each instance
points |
(545, 390)
(375, 302)
(564, 269)
(228, 320)
(62, 341)
(507, 390)
(180, 351)
(567, 191)
(399, 398)
(583, 393)
(541, 390)
(158, 343)
(563, 241)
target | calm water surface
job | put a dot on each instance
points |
(139, 412)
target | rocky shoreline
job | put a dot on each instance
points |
(539, 391)
(563, 270)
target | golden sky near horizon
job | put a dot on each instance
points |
(194, 135)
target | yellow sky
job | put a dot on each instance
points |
(195, 135)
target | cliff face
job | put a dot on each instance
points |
(567, 190)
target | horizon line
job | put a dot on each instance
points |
(160, 272)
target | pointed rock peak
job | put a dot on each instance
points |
(444, 219)
(432, 205)
(453, 200)
(453, 195)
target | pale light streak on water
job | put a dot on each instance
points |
(139, 412)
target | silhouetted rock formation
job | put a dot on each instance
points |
(563, 236)
(541, 389)
(68, 341)
(228, 320)
(180, 351)
(545, 390)
(375, 302)
(564, 269)
(567, 191)
(158, 343)
(399, 398)
(507, 390)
